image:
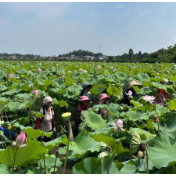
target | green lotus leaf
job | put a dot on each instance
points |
(113, 90)
(63, 104)
(110, 141)
(162, 152)
(144, 135)
(50, 162)
(135, 103)
(167, 122)
(104, 130)
(171, 104)
(11, 92)
(121, 75)
(105, 166)
(3, 169)
(160, 110)
(3, 88)
(37, 114)
(134, 116)
(97, 89)
(143, 77)
(23, 96)
(24, 156)
(3, 103)
(82, 144)
(52, 144)
(158, 85)
(94, 121)
(13, 106)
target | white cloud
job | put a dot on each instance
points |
(119, 6)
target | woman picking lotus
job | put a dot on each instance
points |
(86, 88)
(83, 105)
(46, 123)
(130, 92)
(104, 99)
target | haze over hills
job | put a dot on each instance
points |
(162, 55)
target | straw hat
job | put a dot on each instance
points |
(134, 83)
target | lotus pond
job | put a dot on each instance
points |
(145, 144)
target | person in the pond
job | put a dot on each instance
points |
(8, 133)
(86, 88)
(83, 105)
(159, 99)
(104, 99)
(46, 123)
(167, 96)
(130, 92)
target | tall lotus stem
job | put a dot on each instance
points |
(66, 116)
(55, 161)
(65, 163)
(147, 172)
(14, 161)
(44, 163)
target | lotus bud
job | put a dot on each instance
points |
(10, 75)
(66, 116)
(99, 67)
(39, 70)
(102, 154)
(140, 154)
(63, 77)
(156, 119)
(35, 92)
(20, 140)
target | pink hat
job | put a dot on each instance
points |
(84, 98)
(103, 96)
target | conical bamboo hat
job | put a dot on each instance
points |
(134, 83)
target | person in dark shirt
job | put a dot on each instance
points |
(7, 132)
(85, 90)
(130, 92)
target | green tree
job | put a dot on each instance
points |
(140, 55)
(130, 53)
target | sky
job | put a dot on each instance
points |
(49, 29)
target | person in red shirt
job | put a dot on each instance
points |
(162, 90)
(167, 96)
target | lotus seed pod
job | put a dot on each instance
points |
(140, 154)
(66, 116)
(142, 146)
(156, 119)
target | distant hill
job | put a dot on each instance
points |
(81, 53)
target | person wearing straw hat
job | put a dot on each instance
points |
(86, 88)
(130, 92)
(104, 99)
(46, 123)
(83, 105)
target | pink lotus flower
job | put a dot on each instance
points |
(10, 75)
(69, 71)
(99, 67)
(39, 70)
(35, 92)
(80, 69)
(20, 140)
(119, 125)
(129, 93)
(148, 98)
(57, 65)
(63, 77)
